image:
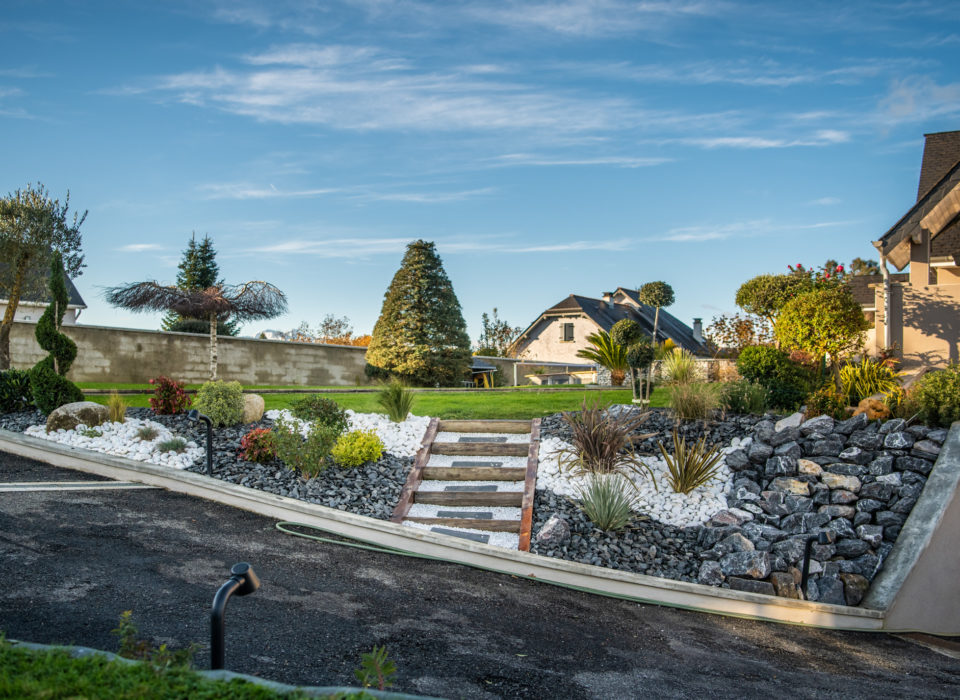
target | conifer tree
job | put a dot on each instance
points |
(198, 270)
(421, 336)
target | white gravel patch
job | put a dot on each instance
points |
(664, 505)
(425, 510)
(502, 486)
(400, 439)
(507, 540)
(121, 439)
(448, 460)
(510, 437)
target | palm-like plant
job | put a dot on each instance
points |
(245, 302)
(607, 353)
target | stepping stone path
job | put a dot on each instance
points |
(477, 485)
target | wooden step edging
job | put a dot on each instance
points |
(474, 473)
(415, 476)
(521, 427)
(529, 487)
(594, 579)
(481, 449)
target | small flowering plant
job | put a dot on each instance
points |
(259, 445)
(168, 397)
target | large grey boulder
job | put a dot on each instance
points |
(555, 532)
(70, 415)
(750, 564)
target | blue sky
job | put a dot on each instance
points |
(547, 147)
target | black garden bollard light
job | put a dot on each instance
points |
(242, 582)
(822, 537)
(195, 415)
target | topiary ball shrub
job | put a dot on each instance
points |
(314, 408)
(220, 401)
(938, 396)
(356, 448)
(15, 393)
(786, 381)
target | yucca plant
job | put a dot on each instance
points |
(117, 408)
(690, 466)
(602, 442)
(607, 353)
(396, 400)
(866, 378)
(608, 500)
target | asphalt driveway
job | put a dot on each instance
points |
(72, 561)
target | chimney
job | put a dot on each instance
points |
(698, 329)
(608, 299)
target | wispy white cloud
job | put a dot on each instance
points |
(520, 159)
(140, 247)
(247, 191)
(241, 191)
(425, 197)
(825, 201)
(739, 229)
(919, 98)
(344, 248)
(824, 137)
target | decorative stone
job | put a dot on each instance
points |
(798, 504)
(711, 574)
(842, 498)
(851, 548)
(813, 521)
(791, 421)
(784, 585)
(784, 436)
(854, 588)
(729, 517)
(865, 440)
(555, 532)
(893, 425)
(871, 534)
(735, 543)
(750, 586)
(819, 424)
(868, 505)
(805, 466)
(865, 565)
(938, 435)
(253, 406)
(847, 469)
(878, 490)
(838, 511)
(862, 519)
(914, 464)
(881, 465)
(831, 591)
(926, 449)
(857, 422)
(750, 564)
(789, 449)
(830, 447)
(898, 441)
(822, 552)
(893, 479)
(904, 505)
(759, 453)
(70, 415)
(781, 466)
(855, 455)
(737, 460)
(839, 481)
(788, 485)
(764, 430)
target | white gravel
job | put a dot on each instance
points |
(121, 439)
(425, 510)
(509, 540)
(664, 505)
(502, 486)
(510, 437)
(400, 439)
(448, 460)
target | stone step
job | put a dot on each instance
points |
(480, 449)
(474, 536)
(474, 473)
(471, 523)
(512, 499)
(485, 426)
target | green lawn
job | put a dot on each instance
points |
(517, 403)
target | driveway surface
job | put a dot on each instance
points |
(72, 561)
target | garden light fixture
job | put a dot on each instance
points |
(242, 582)
(195, 415)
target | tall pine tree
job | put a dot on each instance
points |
(421, 336)
(198, 270)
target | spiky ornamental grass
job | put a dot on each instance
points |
(396, 400)
(602, 442)
(608, 500)
(690, 466)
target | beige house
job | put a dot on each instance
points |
(561, 331)
(919, 312)
(32, 304)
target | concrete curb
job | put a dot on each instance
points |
(226, 676)
(638, 587)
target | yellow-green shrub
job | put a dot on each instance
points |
(357, 447)
(221, 401)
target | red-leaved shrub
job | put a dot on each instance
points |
(259, 445)
(168, 396)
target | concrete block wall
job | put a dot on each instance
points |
(130, 355)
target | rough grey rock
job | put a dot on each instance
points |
(850, 548)
(895, 479)
(784, 436)
(805, 466)
(711, 574)
(914, 464)
(878, 490)
(851, 425)
(926, 449)
(750, 564)
(842, 498)
(70, 415)
(883, 464)
(831, 591)
(759, 452)
(819, 424)
(793, 486)
(838, 511)
(855, 455)
(789, 449)
(839, 481)
(784, 585)
(892, 426)
(829, 447)
(781, 465)
(554, 533)
(871, 534)
(751, 586)
(737, 460)
(865, 440)
(898, 441)
(792, 421)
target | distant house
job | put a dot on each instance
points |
(35, 299)
(561, 331)
(919, 312)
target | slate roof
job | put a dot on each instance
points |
(605, 315)
(38, 294)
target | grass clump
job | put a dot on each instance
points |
(356, 448)
(306, 455)
(117, 408)
(396, 400)
(692, 401)
(602, 441)
(312, 408)
(679, 367)
(608, 500)
(690, 466)
(222, 402)
(90, 433)
(742, 396)
(177, 444)
(147, 433)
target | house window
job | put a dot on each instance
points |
(568, 332)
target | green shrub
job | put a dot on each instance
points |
(692, 401)
(938, 396)
(679, 367)
(357, 447)
(691, 466)
(786, 381)
(132, 647)
(117, 408)
(396, 400)
(259, 445)
(305, 455)
(221, 402)
(15, 392)
(608, 500)
(742, 396)
(316, 408)
(866, 378)
(177, 444)
(827, 401)
(147, 433)
(376, 669)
